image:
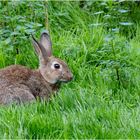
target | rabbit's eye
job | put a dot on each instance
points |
(57, 66)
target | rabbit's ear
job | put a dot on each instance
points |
(46, 43)
(36, 45)
(39, 50)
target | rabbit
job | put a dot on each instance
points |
(19, 84)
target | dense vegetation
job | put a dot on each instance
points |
(101, 43)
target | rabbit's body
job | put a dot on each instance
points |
(21, 84)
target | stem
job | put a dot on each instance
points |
(116, 67)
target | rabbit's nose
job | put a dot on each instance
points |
(70, 77)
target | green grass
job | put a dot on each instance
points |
(103, 100)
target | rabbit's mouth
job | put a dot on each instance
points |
(65, 80)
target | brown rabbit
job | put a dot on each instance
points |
(19, 84)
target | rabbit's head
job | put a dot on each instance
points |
(51, 68)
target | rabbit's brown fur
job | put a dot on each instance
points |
(21, 84)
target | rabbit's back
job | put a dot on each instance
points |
(14, 74)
